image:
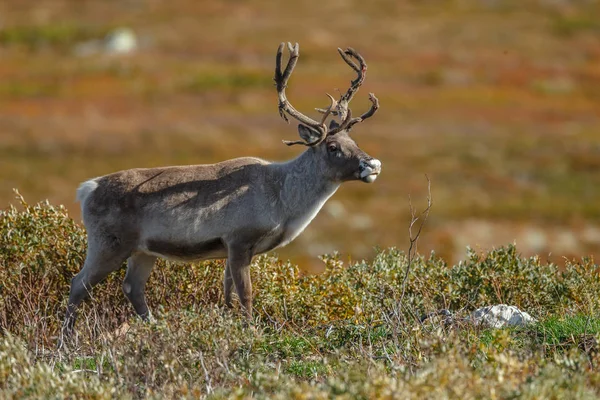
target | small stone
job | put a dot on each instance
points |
(501, 315)
(121, 41)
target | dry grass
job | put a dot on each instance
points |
(339, 334)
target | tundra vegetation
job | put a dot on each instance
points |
(498, 101)
(341, 333)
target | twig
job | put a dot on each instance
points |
(92, 371)
(586, 348)
(412, 249)
(209, 388)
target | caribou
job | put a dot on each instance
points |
(233, 209)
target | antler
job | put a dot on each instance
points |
(374, 107)
(343, 110)
(322, 128)
(339, 108)
(281, 79)
(356, 83)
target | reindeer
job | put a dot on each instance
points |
(234, 209)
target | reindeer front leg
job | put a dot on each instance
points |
(227, 285)
(238, 262)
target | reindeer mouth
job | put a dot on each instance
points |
(369, 178)
(369, 170)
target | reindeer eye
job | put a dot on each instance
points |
(332, 148)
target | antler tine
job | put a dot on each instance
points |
(343, 125)
(281, 79)
(338, 108)
(323, 126)
(343, 110)
(374, 107)
(329, 109)
(350, 52)
(294, 54)
(361, 71)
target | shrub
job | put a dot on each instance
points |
(342, 333)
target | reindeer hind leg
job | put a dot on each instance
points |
(139, 267)
(103, 257)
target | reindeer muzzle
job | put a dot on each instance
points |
(369, 170)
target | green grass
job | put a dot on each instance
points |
(568, 329)
(307, 369)
(58, 35)
(285, 346)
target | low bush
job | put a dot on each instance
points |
(342, 333)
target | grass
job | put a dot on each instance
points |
(569, 329)
(340, 333)
(307, 369)
(59, 35)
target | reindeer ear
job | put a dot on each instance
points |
(333, 124)
(308, 134)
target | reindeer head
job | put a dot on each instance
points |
(339, 156)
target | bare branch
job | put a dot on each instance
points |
(414, 239)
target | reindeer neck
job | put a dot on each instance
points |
(304, 186)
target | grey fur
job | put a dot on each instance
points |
(198, 212)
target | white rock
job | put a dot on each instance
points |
(119, 41)
(501, 315)
(122, 40)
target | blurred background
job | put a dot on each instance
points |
(498, 101)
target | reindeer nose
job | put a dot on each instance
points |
(369, 169)
(374, 163)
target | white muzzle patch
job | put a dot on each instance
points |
(369, 170)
